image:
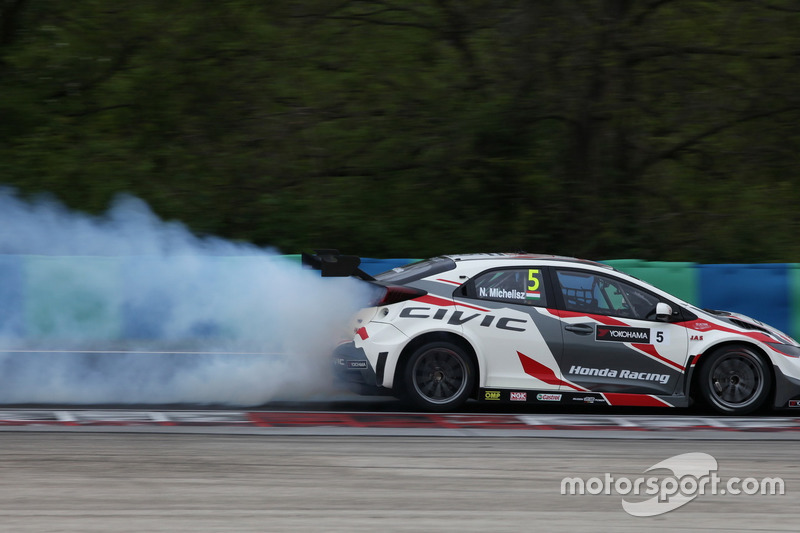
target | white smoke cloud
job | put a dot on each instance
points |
(127, 308)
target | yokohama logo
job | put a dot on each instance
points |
(622, 334)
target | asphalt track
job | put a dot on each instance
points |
(100, 470)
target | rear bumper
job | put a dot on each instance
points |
(352, 369)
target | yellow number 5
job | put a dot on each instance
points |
(532, 273)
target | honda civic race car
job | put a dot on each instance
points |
(543, 329)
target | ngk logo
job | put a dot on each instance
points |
(518, 396)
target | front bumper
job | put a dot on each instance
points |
(352, 369)
(787, 390)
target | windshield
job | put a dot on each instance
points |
(415, 271)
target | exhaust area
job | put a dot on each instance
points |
(125, 308)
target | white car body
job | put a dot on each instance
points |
(538, 328)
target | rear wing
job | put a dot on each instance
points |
(332, 264)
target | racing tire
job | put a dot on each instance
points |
(735, 380)
(439, 376)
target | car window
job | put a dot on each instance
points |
(416, 271)
(586, 292)
(517, 285)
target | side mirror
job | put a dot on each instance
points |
(663, 312)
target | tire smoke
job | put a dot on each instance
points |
(125, 308)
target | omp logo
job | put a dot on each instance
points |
(518, 396)
(622, 334)
(548, 397)
(491, 395)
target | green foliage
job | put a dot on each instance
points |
(658, 130)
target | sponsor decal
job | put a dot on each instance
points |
(518, 396)
(339, 361)
(491, 395)
(357, 364)
(701, 326)
(794, 403)
(577, 370)
(696, 338)
(622, 334)
(548, 397)
(587, 399)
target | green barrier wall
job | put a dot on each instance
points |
(794, 300)
(72, 297)
(680, 279)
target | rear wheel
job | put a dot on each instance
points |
(439, 376)
(735, 380)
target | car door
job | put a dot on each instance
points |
(613, 341)
(506, 318)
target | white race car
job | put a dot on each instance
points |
(541, 329)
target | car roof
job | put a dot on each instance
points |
(525, 256)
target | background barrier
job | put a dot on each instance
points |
(40, 294)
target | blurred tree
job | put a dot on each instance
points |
(660, 129)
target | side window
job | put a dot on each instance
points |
(585, 292)
(519, 286)
(578, 291)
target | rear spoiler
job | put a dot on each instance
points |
(332, 264)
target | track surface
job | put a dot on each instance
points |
(132, 482)
(356, 466)
(271, 422)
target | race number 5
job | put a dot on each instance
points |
(532, 273)
(660, 337)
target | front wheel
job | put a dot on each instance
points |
(735, 380)
(439, 376)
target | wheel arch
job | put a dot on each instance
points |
(692, 385)
(435, 336)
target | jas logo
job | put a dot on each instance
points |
(622, 334)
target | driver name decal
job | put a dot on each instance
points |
(622, 334)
